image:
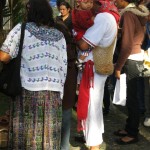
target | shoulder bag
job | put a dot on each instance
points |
(103, 59)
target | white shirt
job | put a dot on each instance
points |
(44, 57)
(102, 33)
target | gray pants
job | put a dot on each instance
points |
(65, 132)
(147, 96)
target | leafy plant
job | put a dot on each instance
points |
(14, 13)
(18, 11)
(6, 13)
(2, 4)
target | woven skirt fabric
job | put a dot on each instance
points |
(35, 122)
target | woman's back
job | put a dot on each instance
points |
(43, 57)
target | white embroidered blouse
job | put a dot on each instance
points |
(44, 57)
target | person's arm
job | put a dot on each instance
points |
(83, 45)
(4, 57)
(10, 47)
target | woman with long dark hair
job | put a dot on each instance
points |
(36, 115)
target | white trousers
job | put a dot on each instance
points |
(94, 125)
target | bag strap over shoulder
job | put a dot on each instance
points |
(21, 40)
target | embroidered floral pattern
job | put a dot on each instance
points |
(44, 34)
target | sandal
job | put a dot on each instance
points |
(122, 142)
(3, 129)
(120, 133)
(4, 120)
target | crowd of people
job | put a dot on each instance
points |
(58, 54)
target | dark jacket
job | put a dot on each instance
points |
(71, 79)
(67, 22)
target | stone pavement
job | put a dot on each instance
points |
(113, 121)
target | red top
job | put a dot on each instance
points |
(82, 20)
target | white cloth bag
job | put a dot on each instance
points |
(119, 97)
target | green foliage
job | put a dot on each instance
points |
(14, 13)
(18, 12)
(6, 13)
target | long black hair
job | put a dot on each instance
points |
(40, 12)
(58, 2)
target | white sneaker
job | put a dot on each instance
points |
(147, 122)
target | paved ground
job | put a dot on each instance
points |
(114, 121)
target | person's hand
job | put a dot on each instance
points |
(4, 57)
(117, 74)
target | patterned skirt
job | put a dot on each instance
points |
(35, 122)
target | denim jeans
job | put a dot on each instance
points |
(65, 131)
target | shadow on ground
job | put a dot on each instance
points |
(113, 121)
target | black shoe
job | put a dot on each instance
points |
(121, 142)
(118, 133)
(79, 139)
